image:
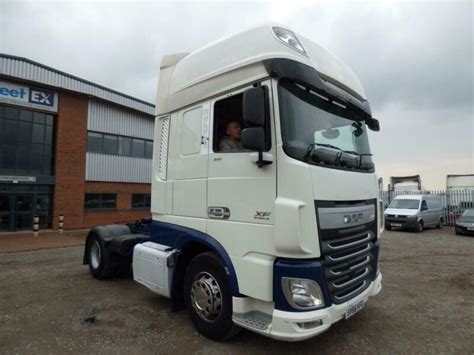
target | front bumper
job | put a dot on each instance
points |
(463, 229)
(407, 223)
(297, 326)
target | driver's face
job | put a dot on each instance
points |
(233, 130)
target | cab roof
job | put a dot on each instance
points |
(237, 60)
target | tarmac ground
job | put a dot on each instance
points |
(49, 303)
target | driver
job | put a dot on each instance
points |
(231, 141)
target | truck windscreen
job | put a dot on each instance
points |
(322, 131)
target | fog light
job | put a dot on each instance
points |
(310, 325)
(302, 293)
(288, 38)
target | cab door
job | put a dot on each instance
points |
(188, 165)
(238, 190)
(425, 213)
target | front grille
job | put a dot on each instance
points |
(396, 216)
(350, 264)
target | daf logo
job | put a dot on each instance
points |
(353, 218)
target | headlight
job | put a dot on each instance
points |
(288, 38)
(412, 216)
(302, 293)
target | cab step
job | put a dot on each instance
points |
(254, 320)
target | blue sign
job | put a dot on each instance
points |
(41, 97)
(24, 95)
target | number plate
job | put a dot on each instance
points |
(396, 224)
(354, 309)
(470, 228)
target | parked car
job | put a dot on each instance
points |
(414, 212)
(465, 223)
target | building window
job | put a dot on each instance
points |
(149, 150)
(110, 144)
(26, 141)
(94, 142)
(119, 145)
(141, 200)
(138, 148)
(125, 146)
(99, 201)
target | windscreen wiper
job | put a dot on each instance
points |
(359, 154)
(310, 148)
(367, 166)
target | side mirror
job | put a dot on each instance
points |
(253, 107)
(373, 124)
(253, 138)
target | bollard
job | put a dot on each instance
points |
(36, 220)
(61, 223)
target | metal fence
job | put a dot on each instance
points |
(454, 202)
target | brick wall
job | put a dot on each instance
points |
(123, 213)
(70, 152)
(70, 160)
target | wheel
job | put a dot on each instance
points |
(419, 227)
(440, 224)
(388, 227)
(207, 297)
(457, 232)
(100, 261)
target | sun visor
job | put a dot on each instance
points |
(293, 70)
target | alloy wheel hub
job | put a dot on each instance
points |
(206, 297)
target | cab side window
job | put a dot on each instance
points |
(229, 124)
(424, 206)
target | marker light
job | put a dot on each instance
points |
(302, 293)
(288, 38)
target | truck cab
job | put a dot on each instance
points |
(265, 209)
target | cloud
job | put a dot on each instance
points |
(417, 54)
(415, 60)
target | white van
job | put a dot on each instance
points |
(415, 212)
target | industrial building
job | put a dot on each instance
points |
(70, 147)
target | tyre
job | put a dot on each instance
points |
(388, 227)
(100, 259)
(440, 224)
(208, 298)
(419, 227)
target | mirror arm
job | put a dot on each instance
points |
(261, 162)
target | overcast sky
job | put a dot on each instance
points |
(414, 59)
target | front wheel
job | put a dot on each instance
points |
(440, 223)
(419, 227)
(208, 298)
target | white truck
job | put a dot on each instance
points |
(402, 184)
(460, 191)
(279, 235)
